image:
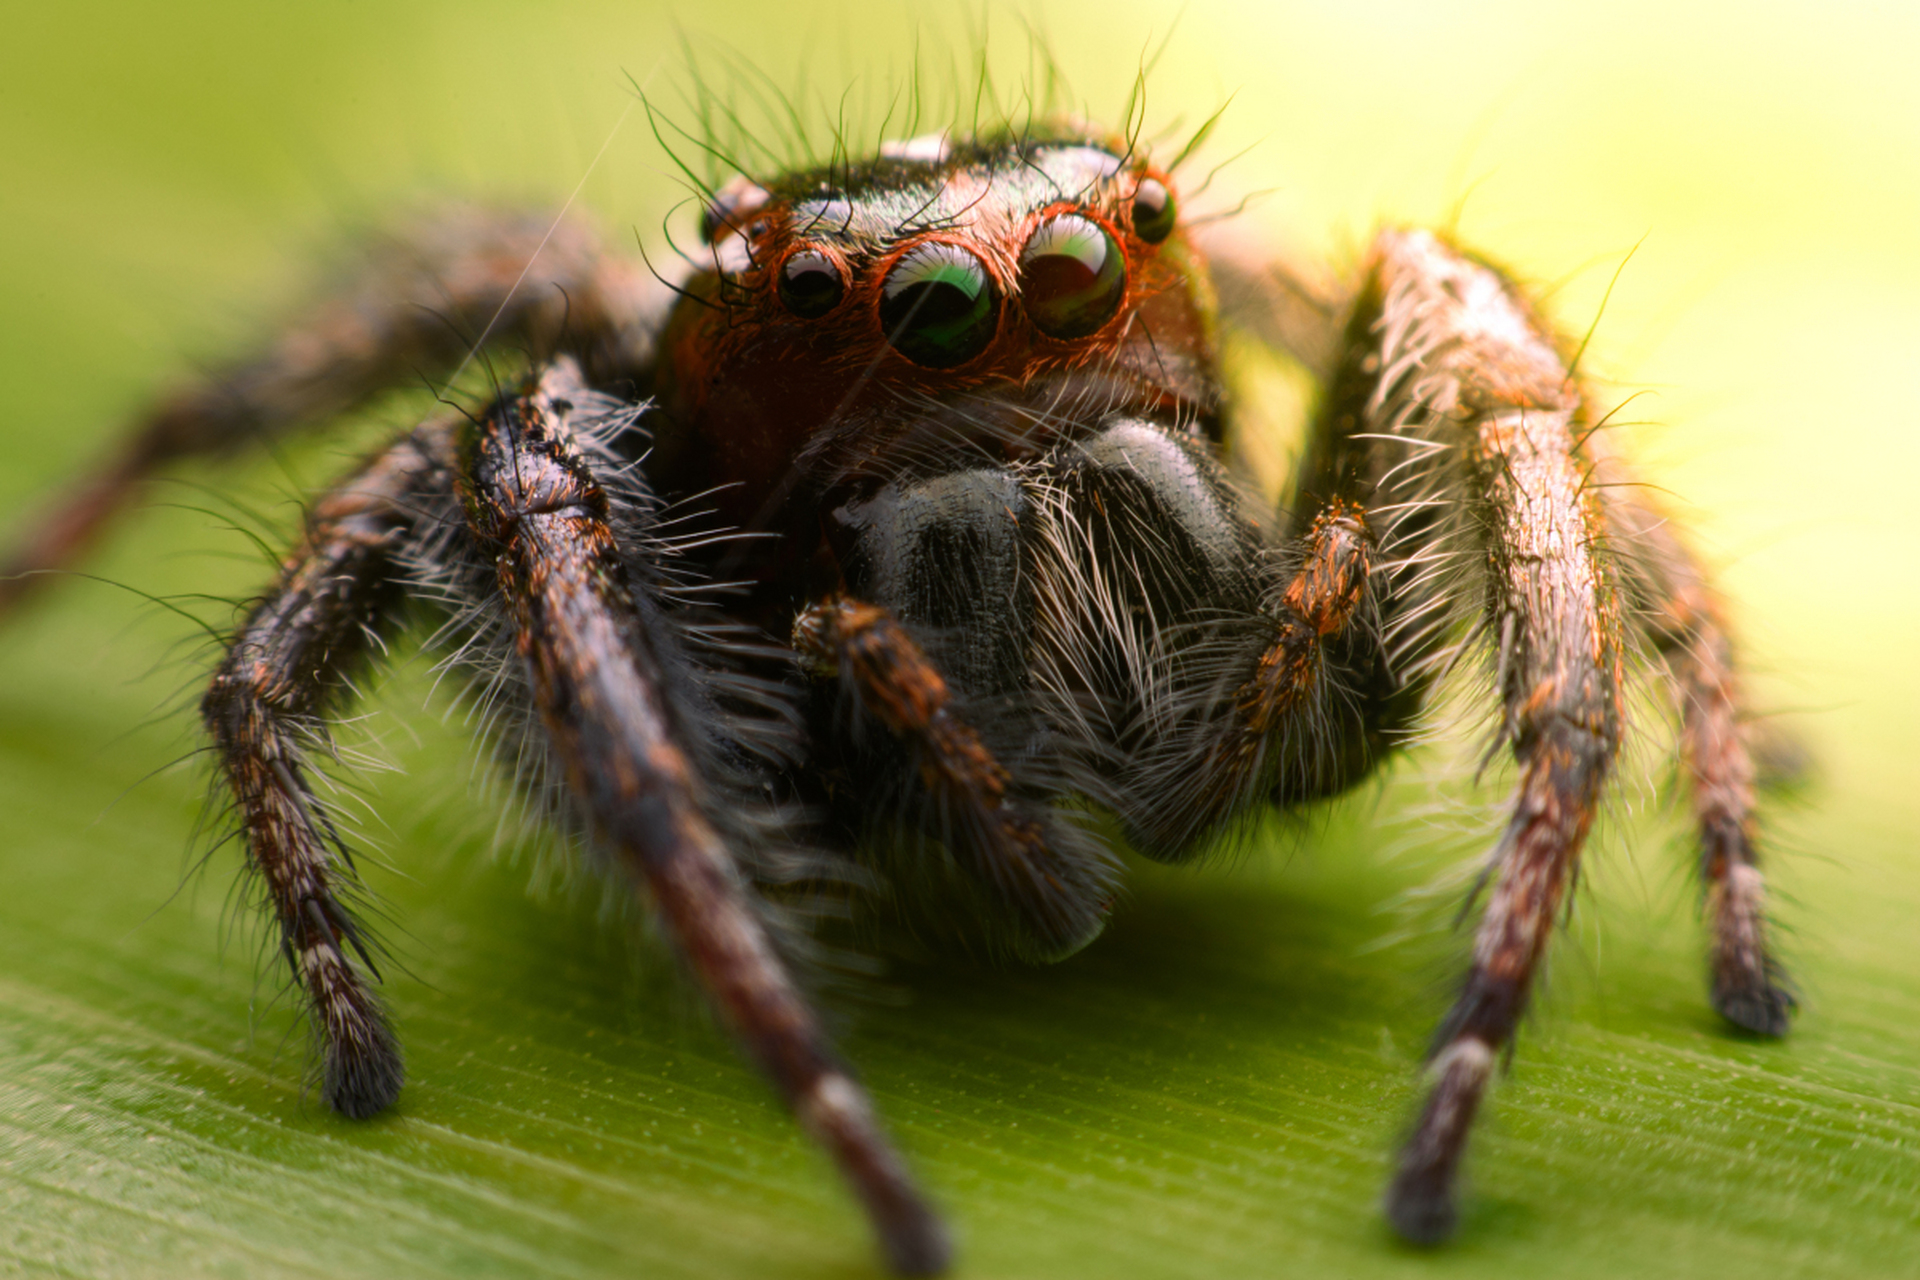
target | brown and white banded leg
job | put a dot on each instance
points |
(598, 684)
(1680, 613)
(1464, 423)
(1265, 732)
(1184, 657)
(424, 301)
(1060, 894)
(1317, 605)
(286, 668)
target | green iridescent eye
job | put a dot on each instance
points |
(1153, 211)
(810, 284)
(938, 306)
(1072, 276)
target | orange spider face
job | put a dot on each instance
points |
(995, 297)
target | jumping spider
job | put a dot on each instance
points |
(893, 543)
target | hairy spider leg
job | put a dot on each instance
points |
(1185, 658)
(427, 299)
(1127, 547)
(285, 669)
(939, 665)
(1317, 606)
(1454, 414)
(1678, 610)
(1061, 896)
(596, 682)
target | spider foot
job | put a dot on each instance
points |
(920, 1247)
(359, 1081)
(1420, 1202)
(912, 1237)
(1747, 988)
(362, 1071)
(1754, 1002)
(1420, 1207)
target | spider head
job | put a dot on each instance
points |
(1015, 290)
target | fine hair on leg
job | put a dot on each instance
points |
(1452, 412)
(596, 683)
(286, 668)
(1678, 611)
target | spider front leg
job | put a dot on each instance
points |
(597, 680)
(1191, 667)
(1283, 698)
(930, 645)
(424, 301)
(285, 667)
(1453, 411)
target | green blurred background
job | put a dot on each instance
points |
(1215, 1087)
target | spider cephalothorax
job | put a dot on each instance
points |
(941, 297)
(897, 546)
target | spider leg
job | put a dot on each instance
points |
(596, 679)
(1452, 411)
(1060, 894)
(283, 670)
(424, 301)
(1190, 664)
(1680, 613)
(929, 642)
(1278, 716)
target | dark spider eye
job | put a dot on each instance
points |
(731, 206)
(1152, 211)
(938, 306)
(1072, 276)
(810, 284)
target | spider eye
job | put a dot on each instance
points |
(731, 206)
(810, 284)
(1152, 210)
(938, 306)
(1072, 276)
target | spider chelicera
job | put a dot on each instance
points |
(890, 551)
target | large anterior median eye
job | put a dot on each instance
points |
(1072, 276)
(938, 306)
